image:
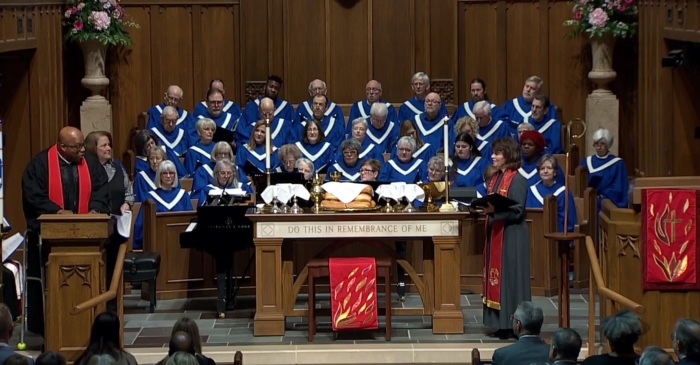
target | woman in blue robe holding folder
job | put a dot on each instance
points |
(225, 179)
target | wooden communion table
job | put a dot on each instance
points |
(439, 287)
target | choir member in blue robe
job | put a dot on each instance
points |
(420, 84)
(145, 180)
(333, 128)
(200, 152)
(367, 148)
(169, 134)
(313, 145)
(467, 163)
(251, 157)
(478, 92)
(533, 146)
(607, 173)
(167, 197)
(288, 156)
(548, 167)
(490, 129)
(229, 106)
(424, 151)
(281, 129)
(173, 96)
(306, 167)
(348, 166)
(549, 128)
(430, 123)
(435, 170)
(404, 167)
(380, 130)
(225, 179)
(370, 169)
(204, 174)
(144, 142)
(282, 109)
(471, 127)
(363, 108)
(305, 109)
(215, 112)
(519, 108)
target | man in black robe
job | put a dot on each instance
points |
(59, 180)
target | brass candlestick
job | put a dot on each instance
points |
(316, 194)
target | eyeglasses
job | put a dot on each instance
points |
(512, 318)
(290, 162)
(216, 102)
(78, 146)
(169, 121)
(406, 150)
(173, 99)
(366, 171)
(373, 90)
(225, 173)
(349, 153)
(429, 101)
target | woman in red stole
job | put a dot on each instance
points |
(507, 249)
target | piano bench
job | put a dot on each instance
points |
(143, 266)
(318, 268)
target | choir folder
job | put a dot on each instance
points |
(499, 202)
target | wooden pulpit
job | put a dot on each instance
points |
(75, 273)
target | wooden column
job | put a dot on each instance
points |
(269, 319)
(447, 315)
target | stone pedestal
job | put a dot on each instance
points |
(95, 112)
(95, 115)
(602, 106)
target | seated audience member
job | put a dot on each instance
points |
(524, 127)
(172, 97)
(251, 158)
(305, 110)
(180, 343)
(225, 180)
(183, 358)
(607, 173)
(430, 124)
(205, 173)
(380, 130)
(105, 340)
(7, 326)
(520, 108)
(169, 134)
(215, 112)
(313, 146)
(17, 359)
(686, 341)
(200, 152)
(482, 189)
(348, 166)
(288, 155)
(50, 358)
(548, 169)
(527, 324)
(550, 128)
(532, 145)
(145, 180)
(490, 129)
(654, 355)
(622, 331)
(370, 169)
(420, 84)
(479, 93)
(424, 151)
(362, 109)
(280, 108)
(367, 148)
(306, 167)
(468, 164)
(229, 106)
(190, 327)
(167, 197)
(333, 128)
(403, 167)
(102, 360)
(566, 346)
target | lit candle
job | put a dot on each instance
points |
(445, 138)
(267, 145)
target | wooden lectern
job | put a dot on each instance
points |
(75, 273)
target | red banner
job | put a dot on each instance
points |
(353, 293)
(670, 237)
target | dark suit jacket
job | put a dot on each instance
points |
(527, 350)
(687, 361)
(6, 352)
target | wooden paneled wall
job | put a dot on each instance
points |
(32, 104)
(346, 43)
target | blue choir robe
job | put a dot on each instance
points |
(430, 131)
(347, 173)
(175, 200)
(362, 109)
(608, 175)
(154, 117)
(225, 120)
(539, 191)
(385, 137)
(305, 112)
(333, 129)
(518, 109)
(141, 164)
(481, 190)
(230, 107)
(529, 171)
(176, 141)
(409, 172)
(470, 172)
(144, 182)
(368, 150)
(551, 131)
(466, 110)
(198, 154)
(253, 162)
(321, 154)
(283, 110)
(485, 136)
(412, 107)
(281, 132)
(216, 190)
(425, 153)
(203, 175)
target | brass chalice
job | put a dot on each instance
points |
(335, 175)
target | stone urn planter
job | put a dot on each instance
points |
(602, 73)
(94, 54)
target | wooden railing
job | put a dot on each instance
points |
(114, 286)
(596, 280)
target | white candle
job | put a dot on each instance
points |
(445, 137)
(267, 145)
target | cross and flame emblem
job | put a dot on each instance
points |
(672, 226)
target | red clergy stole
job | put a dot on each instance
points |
(493, 255)
(353, 293)
(56, 183)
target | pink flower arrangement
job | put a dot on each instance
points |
(102, 20)
(601, 17)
